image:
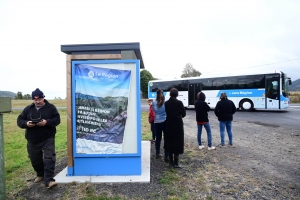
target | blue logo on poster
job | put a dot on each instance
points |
(91, 74)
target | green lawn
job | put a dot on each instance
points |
(17, 164)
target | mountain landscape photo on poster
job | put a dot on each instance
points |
(101, 108)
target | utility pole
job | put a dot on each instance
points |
(5, 106)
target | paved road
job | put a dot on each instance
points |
(286, 118)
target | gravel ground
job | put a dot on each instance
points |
(263, 164)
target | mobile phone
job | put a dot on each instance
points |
(35, 121)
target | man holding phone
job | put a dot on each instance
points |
(40, 120)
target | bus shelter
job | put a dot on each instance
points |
(103, 109)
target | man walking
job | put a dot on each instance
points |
(40, 120)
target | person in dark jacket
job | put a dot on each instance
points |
(202, 109)
(39, 120)
(174, 137)
(224, 110)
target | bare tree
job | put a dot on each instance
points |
(190, 71)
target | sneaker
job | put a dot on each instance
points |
(211, 148)
(177, 166)
(221, 145)
(201, 147)
(231, 145)
(52, 184)
(38, 179)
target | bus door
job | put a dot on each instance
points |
(193, 91)
(191, 94)
(272, 92)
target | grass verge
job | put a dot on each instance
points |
(295, 97)
(17, 164)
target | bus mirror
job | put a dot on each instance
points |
(290, 82)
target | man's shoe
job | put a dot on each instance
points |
(211, 148)
(158, 156)
(167, 159)
(51, 184)
(38, 179)
(201, 147)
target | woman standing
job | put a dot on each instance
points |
(202, 109)
(160, 122)
(174, 138)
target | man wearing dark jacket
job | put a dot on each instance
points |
(224, 110)
(202, 109)
(40, 120)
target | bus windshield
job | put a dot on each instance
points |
(285, 85)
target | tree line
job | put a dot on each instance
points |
(20, 96)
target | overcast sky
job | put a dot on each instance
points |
(214, 36)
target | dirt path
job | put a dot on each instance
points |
(265, 154)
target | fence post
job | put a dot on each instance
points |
(2, 161)
(5, 107)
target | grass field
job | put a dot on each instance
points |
(23, 103)
(295, 97)
(17, 164)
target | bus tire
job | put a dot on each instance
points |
(246, 105)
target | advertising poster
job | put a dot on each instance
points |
(101, 97)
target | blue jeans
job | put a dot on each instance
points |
(160, 129)
(208, 131)
(228, 125)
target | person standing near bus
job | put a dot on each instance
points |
(202, 109)
(224, 110)
(160, 122)
(174, 137)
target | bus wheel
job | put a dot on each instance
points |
(246, 105)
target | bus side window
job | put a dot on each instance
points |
(206, 84)
(241, 84)
(177, 85)
(259, 81)
(155, 87)
(230, 83)
(219, 84)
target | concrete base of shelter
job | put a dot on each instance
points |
(144, 177)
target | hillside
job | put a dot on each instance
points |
(295, 85)
(7, 94)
